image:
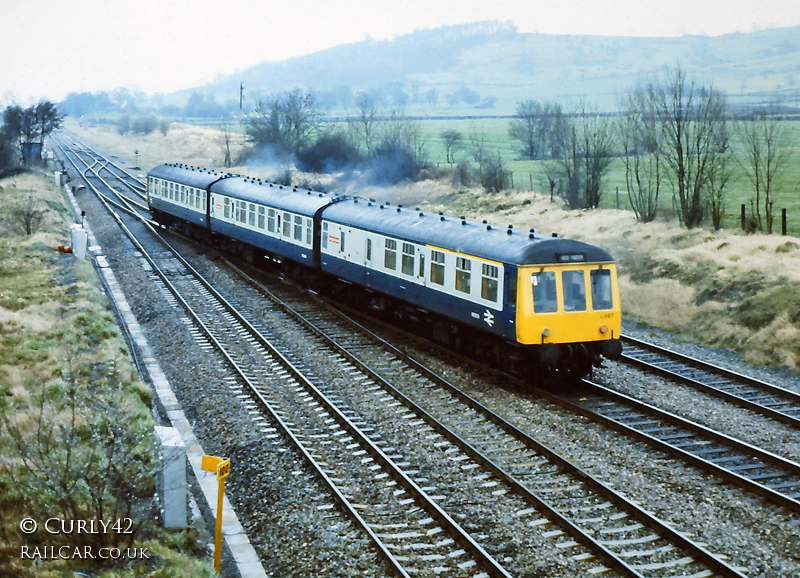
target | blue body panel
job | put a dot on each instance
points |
(271, 245)
(428, 299)
(191, 215)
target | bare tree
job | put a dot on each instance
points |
(693, 137)
(718, 180)
(365, 123)
(540, 129)
(400, 153)
(492, 172)
(286, 122)
(638, 136)
(587, 159)
(764, 158)
(452, 140)
(225, 141)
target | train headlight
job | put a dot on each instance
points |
(604, 329)
(545, 332)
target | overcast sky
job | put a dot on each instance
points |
(49, 48)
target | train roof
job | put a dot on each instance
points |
(505, 245)
(450, 233)
(298, 201)
(191, 176)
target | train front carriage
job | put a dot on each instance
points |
(568, 307)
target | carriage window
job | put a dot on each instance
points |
(324, 235)
(227, 212)
(407, 264)
(437, 267)
(390, 256)
(489, 275)
(341, 241)
(369, 249)
(271, 220)
(197, 198)
(183, 194)
(251, 215)
(309, 231)
(601, 289)
(287, 225)
(298, 228)
(463, 274)
(544, 292)
(261, 217)
(574, 289)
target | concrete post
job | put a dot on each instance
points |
(171, 482)
(80, 239)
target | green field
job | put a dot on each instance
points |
(527, 173)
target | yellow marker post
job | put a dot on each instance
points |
(222, 467)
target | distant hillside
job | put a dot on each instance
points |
(494, 66)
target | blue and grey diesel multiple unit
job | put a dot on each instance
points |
(542, 307)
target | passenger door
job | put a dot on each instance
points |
(420, 273)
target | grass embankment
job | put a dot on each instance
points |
(724, 289)
(76, 435)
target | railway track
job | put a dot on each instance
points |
(774, 402)
(758, 471)
(374, 492)
(557, 500)
(568, 505)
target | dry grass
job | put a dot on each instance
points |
(183, 143)
(64, 368)
(720, 288)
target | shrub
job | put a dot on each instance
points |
(330, 153)
(144, 124)
(123, 124)
(26, 215)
